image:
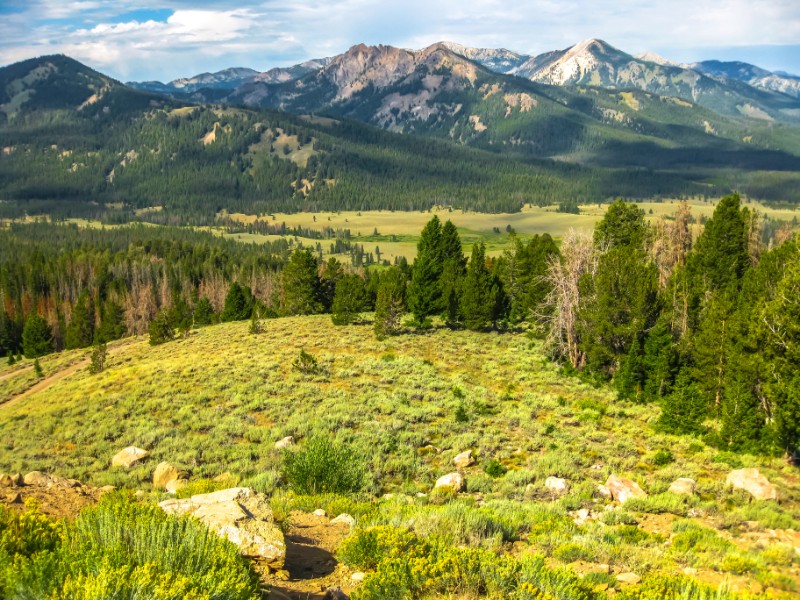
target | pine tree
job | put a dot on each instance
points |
(331, 274)
(424, 291)
(477, 298)
(255, 321)
(203, 312)
(660, 362)
(389, 304)
(684, 409)
(622, 225)
(742, 423)
(37, 337)
(80, 331)
(300, 285)
(37, 368)
(453, 271)
(629, 380)
(112, 324)
(721, 254)
(161, 330)
(238, 304)
(349, 300)
(98, 358)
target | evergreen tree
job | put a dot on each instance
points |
(453, 270)
(742, 422)
(112, 324)
(37, 337)
(660, 362)
(37, 368)
(180, 315)
(80, 331)
(622, 225)
(349, 300)
(523, 271)
(203, 312)
(161, 330)
(238, 304)
(331, 274)
(255, 321)
(10, 334)
(98, 358)
(684, 409)
(629, 380)
(477, 298)
(424, 291)
(300, 285)
(389, 304)
(721, 257)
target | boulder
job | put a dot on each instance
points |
(6, 480)
(344, 518)
(628, 578)
(17, 479)
(358, 577)
(320, 512)
(128, 457)
(242, 516)
(753, 482)
(454, 481)
(556, 485)
(604, 492)
(683, 485)
(464, 460)
(37, 478)
(624, 489)
(176, 484)
(164, 473)
(285, 442)
(13, 498)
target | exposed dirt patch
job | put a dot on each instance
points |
(59, 498)
(311, 544)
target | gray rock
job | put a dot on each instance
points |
(164, 473)
(37, 478)
(624, 489)
(454, 481)
(344, 518)
(285, 442)
(464, 460)
(628, 578)
(242, 516)
(753, 482)
(556, 485)
(683, 485)
(127, 457)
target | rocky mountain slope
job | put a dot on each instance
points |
(751, 75)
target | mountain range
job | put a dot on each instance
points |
(582, 124)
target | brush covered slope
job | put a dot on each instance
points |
(401, 410)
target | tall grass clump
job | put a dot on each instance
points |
(122, 550)
(323, 467)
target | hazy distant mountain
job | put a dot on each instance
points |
(499, 59)
(750, 74)
(227, 79)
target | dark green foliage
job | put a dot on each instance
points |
(630, 379)
(622, 225)
(332, 272)
(662, 457)
(390, 302)
(80, 331)
(720, 257)
(460, 414)
(161, 330)
(349, 299)
(37, 368)
(305, 363)
(660, 362)
(478, 295)
(684, 409)
(740, 412)
(523, 272)
(98, 358)
(255, 322)
(203, 312)
(37, 337)
(10, 334)
(425, 290)
(301, 290)
(323, 466)
(112, 324)
(11, 360)
(494, 468)
(453, 271)
(238, 304)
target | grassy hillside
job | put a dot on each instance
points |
(219, 400)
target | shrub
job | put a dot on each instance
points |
(571, 551)
(161, 330)
(305, 363)
(494, 468)
(460, 414)
(662, 457)
(323, 466)
(98, 358)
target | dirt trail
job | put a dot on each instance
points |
(45, 383)
(311, 543)
(15, 372)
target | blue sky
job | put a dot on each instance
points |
(166, 39)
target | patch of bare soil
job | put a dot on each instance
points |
(56, 497)
(311, 567)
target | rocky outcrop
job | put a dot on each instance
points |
(128, 457)
(165, 473)
(240, 515)
(453, 481)
(753, 482)
(624, 489)
(557, 485)
(285, 442)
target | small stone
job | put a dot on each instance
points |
(628, 578)
(454, 481)
(285, 442)
(107, 489)
(691, 571)
(579, 517)
(37, 478)
(128, 457)
(683, 485)
(176, 484)
(604, 492)
(139, 494)
(13, 498)
(603, 568)
(358, 577)
(320, 513)
(530, 490)
(557, 485)
(344, 518)
(464, 460)
(421, 495)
